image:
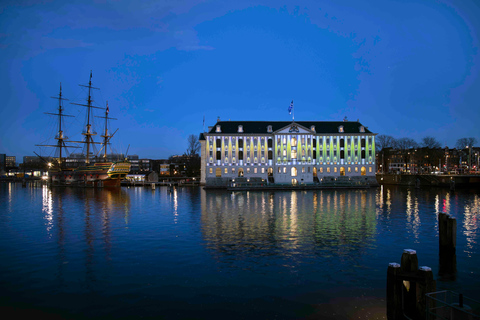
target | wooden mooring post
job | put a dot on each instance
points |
(407, 285)
(447, 240)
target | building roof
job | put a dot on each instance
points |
(260, 127)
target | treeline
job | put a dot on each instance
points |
(386, 141)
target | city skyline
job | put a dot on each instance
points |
(169, 68)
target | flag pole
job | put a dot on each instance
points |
(291, 109)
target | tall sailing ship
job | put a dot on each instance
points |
(97, 172)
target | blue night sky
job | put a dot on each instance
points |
(404, 68)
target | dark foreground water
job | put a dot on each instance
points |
(196, 254)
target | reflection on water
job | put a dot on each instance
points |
(471, 223)
(288, 224)
(91, 221)
(184, 247)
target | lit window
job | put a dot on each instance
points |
(240, 128)
(218, 129)
(340, 129)
(294, 142)
(233, 170)
(226, 170)
(248, 170)
(284, 169)
(294, 172)
(254, 170)
(335, 169)
(294, 154)
(269, 128)
(328, 170)
(211, 170)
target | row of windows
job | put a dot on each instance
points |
(293, 170)
(293, 141)
(294, 156)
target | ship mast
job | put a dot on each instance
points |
(106, 137)
(60, 136)
(88, 132)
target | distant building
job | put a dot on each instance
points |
(428, 160)
(145, 177)
(11, 162)
(287, 152)
(161, 166)
(3, 163)
(7, 163)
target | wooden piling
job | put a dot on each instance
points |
(409, 261)
(407, 286)
(447, 240)
(425, 285)
(394, 300)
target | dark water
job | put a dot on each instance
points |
(196, 254)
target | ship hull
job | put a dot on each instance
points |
(98, 175)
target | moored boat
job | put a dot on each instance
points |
(97, 172)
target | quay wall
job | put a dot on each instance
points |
(340, 182)
(431, 180)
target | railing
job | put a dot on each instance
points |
(449, 305)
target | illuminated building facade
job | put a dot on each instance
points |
(287, 152)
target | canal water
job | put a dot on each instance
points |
(190, 253)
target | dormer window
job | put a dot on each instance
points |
(240, 128)
(218, 129)
(362, 129)
(312, 128)
(269, 129)
(340, 129)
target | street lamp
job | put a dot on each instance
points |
(469, 162)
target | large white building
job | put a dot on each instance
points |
(287, 152)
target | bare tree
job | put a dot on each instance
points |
(384, 141)
(193, 145)
(192, 156)
(463, 143)
(405, 143)
(430, 142)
